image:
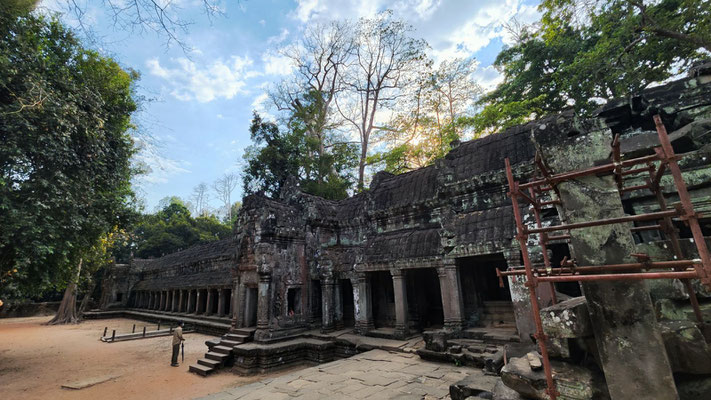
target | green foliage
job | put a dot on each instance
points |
(64, 159)
(273, 157)
(585, 53)
(321, 164)
(434, 112)
(172, 229)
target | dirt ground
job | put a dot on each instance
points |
(36, 360)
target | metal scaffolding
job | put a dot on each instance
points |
(544, 183)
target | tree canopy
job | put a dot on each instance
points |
(64, 160)
(583, 53)
(173, 229)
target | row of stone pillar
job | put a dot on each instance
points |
(332, 307)
(189, 301)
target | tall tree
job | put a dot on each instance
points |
(383, 56)
(64, 160)
(224, 187)
(428, 116)
(318, 59)
(200, 200)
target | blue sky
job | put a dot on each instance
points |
(202, 100)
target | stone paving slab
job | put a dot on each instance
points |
(376, 374)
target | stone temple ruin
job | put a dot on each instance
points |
(420, 254)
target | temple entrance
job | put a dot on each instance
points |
(202, 301)
(424, 299)
(316, 300)
(250, 307)
(485, 302)
(213, 307)
(347, 302)
(382, 296)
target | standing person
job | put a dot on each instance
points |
(177, 339)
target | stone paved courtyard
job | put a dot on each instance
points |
(376, 374)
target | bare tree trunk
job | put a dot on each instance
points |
(67, 312)
(87, 298)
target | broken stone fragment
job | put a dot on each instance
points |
(567, 319)
(686, 347)
(435, 340)
(534, 361)
(503, 392)
(471, 386)
(572, 381)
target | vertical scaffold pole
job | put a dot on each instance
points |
(703, 270)
(530, 281)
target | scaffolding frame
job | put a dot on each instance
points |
(544, 182)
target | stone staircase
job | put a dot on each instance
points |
(220, 351)
(498, 314)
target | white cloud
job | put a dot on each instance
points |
(276, 64)
(190, 81)
(452, 28)
(487, 77)
(278, 38)
(158, 168)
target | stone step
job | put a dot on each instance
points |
(216, 356)
(229, 343)
(248, 332)
(209, 363)
(200, 369)
(236, 337)
(221, 349)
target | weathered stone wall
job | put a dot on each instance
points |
(290, 252)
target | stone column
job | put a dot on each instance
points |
(627, 335)
(400, 290)
(327, 304)
(175, 302)
(158, 300)
(361, 302)
(208, 303)
(181, 302)
(162, 301)
(337, 305)
(264, 294)
(220, 302)
(237, 304)
(451, 295)
(151, 300)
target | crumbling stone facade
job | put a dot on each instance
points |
(419, 251)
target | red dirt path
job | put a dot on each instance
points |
(36, 360)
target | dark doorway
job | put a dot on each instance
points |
(293, 301)
(347, 302)
(382, 296)
(203, 301)
(250, 307)
(214, 301)
(424, 299)
(486, 303)
(316, 306)
(558, 252)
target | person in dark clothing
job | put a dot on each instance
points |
(177, 339)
